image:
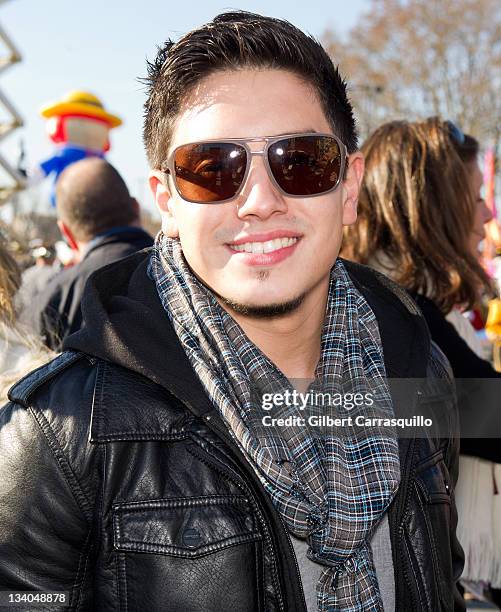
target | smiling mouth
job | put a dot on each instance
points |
(264, 247)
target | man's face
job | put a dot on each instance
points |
(249, 104)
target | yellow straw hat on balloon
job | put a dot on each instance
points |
(80, 103)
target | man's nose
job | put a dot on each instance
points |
(260, 197)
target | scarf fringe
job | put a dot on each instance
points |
(479, 519)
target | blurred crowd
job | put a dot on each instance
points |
(40, 305)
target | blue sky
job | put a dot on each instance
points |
(101, 46)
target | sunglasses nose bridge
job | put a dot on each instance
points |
(252, 154)
(263, 153)
(259, 177)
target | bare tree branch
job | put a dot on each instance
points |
(415, 58)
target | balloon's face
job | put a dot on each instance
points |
(85, 132)
(52, 127)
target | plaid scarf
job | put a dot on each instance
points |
(331, 490)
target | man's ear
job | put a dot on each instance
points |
(163, 200)
(68, 235)
(351, 187)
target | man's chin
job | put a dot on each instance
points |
(267, 310)
(263, 311)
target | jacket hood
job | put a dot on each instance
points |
(125, 323)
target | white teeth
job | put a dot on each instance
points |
(264, 247)
(271, 245)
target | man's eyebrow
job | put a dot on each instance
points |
(307, 131)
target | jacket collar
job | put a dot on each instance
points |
(116, 234)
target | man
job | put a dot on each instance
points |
(156, 480)
(101, 223)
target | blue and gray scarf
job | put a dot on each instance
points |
(330, 489)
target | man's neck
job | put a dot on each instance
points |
(292, 341)
(84, 247)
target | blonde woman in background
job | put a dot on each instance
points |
(420, 220)
(20, 352)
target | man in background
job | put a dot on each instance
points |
(35, 278)
(100, 221)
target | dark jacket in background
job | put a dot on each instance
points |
(57, 312)
(33, 283)
(121, 485)
(479, 400)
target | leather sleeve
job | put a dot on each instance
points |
(45, 509)
(440, 367)
(457, 553)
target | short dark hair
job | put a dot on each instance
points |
(232, 41)
(92, 197)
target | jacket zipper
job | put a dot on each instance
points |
(293, 555)
(395, 531)
(416, 572)
(436, 565)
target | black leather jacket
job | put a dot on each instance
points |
(120, 485)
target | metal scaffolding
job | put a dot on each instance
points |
(11, 122)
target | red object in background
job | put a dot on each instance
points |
(476, 319)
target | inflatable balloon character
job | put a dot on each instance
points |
(79, 125)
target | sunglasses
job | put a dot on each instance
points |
(215, 171)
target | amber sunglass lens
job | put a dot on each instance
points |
(306, 165)
(209, 172)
